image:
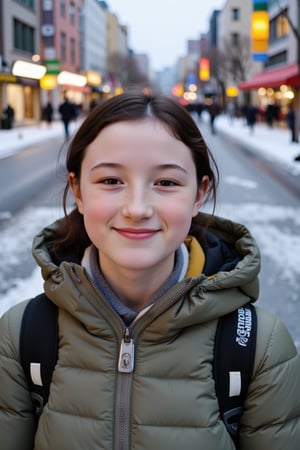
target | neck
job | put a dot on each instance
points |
(135, 288)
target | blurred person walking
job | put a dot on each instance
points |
(251, 112)
(48, 113)
(270, 115)
(9, 115)
(291, 121)
(214, 111)
(68, 112)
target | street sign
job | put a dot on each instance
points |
(52, 66)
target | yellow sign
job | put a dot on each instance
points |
(260, 26)
(260, 46)
(48, 82)
(93, 78)
(7, 78)
(232, 91)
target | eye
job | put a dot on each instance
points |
(167, 183)
(110, 181)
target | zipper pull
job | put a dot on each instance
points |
(126, 356)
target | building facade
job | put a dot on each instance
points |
(278, 83)
(234, 43)
(67, 41)
(20, 42)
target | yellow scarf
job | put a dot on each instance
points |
(196, 257)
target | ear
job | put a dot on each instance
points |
(74, 186)
(201, 194)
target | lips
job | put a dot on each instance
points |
(136, 233)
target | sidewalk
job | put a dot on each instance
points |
(272, 143)
(14, 140)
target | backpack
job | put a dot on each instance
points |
(234, 353)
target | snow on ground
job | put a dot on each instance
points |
(14, 140)
(273, 143)
(266, 223)
(281, 245)
(15, 247)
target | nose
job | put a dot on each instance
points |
(137, 204)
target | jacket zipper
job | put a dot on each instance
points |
(126, 369)
(126, 360)
(124, 383)
(126, 355)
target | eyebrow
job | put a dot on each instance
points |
(120, 166)
(106, 164)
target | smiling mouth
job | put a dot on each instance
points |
(136, 234)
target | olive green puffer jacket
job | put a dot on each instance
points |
(168, 400)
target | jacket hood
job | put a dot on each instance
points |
(230, 278)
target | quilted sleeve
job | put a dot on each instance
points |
(271, 418)
(17, 423)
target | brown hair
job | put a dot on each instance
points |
(133, 106)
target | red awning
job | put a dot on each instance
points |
(273, 78)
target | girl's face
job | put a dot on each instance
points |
(137, 193)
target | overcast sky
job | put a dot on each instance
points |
(161, 28)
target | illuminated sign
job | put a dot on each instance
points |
(71, 79)
(204, 69)
(28, 70)
(7, 78)
(232, 91)
(48, 82)
(260, 30)
(93, 78)
(53, 66)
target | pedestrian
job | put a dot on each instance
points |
(269, 115)
(214, 111)
(68, 113)
(48, 113)
(10, 116)
(291, 121)
(251, 117)
(136, 267)
(93, 103)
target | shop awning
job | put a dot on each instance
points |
(273, 78)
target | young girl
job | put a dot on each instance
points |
(140, 278)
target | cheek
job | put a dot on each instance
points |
(179, 214)
(95, 216)
(98, 209)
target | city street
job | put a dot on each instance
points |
(250, 192)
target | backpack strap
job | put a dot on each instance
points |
(39, 347)
(234, 354)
